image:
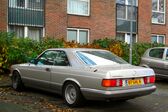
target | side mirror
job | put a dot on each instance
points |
(33, 61)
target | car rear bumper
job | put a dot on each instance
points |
(92, 94)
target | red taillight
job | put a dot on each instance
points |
(111, 82)
(150, 79)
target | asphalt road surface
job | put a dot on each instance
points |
(156, 102)
(38, 101)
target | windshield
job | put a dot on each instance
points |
(99, 58)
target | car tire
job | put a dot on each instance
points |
(72, 95)
(17, 82)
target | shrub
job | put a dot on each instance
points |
(122, 49)
(137, 51)
(15, 50)
(47, 43)
(5, 40)
(111, 45)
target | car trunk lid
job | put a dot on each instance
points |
(124, 71)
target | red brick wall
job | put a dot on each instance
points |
(161, 29)
(55, 18)
(145, 26)
(144, 20)
(3, 15)
(101, 21)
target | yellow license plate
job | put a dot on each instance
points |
(134, 82)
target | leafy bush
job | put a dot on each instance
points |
(111, 45)
(15, 50)
(122, 49)
(5, 40)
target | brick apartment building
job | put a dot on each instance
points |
(86, 20)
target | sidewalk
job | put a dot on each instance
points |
(10, 107)
(5, 81)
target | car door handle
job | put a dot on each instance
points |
(47, 69)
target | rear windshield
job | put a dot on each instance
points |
(99, 58)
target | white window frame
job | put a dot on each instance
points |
(88, 13)
(157, 35)
(15, 6)
(78, 30)
(25, 6)
(157, 11)
(126, 37)
(126, 2)
(126, 11)
(26, 30)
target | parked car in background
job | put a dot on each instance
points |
(157, 59)
(80, 74)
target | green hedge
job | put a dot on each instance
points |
(15, 50)
(138, 48)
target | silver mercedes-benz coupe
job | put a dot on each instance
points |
(84, 74)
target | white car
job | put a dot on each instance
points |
(79, 74)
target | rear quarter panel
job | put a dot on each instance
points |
(82, 76)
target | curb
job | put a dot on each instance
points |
(5, 85)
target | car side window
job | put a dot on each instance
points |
(61, 59)
(167, 55)
(47, 58)
(156, 53)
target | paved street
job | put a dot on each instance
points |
(38, 101)
(156, 102)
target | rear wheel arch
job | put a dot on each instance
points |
(73, 81)
(70, 81)
(146, 66)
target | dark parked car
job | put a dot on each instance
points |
(157, 59)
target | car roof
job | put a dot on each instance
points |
(159, 47)
(77, 49)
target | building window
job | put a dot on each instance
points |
(124, 9)
(17, 30)
(158, 39)
(30, 4)
(79, 35)
(125, 37)
(78, 7)
(127, 2)
(35, 4)
(34, 33)
(158, 11)
(123, 12)
(17, 3)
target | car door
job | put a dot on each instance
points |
(60, 70)
(39, 73)
(156, 60)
